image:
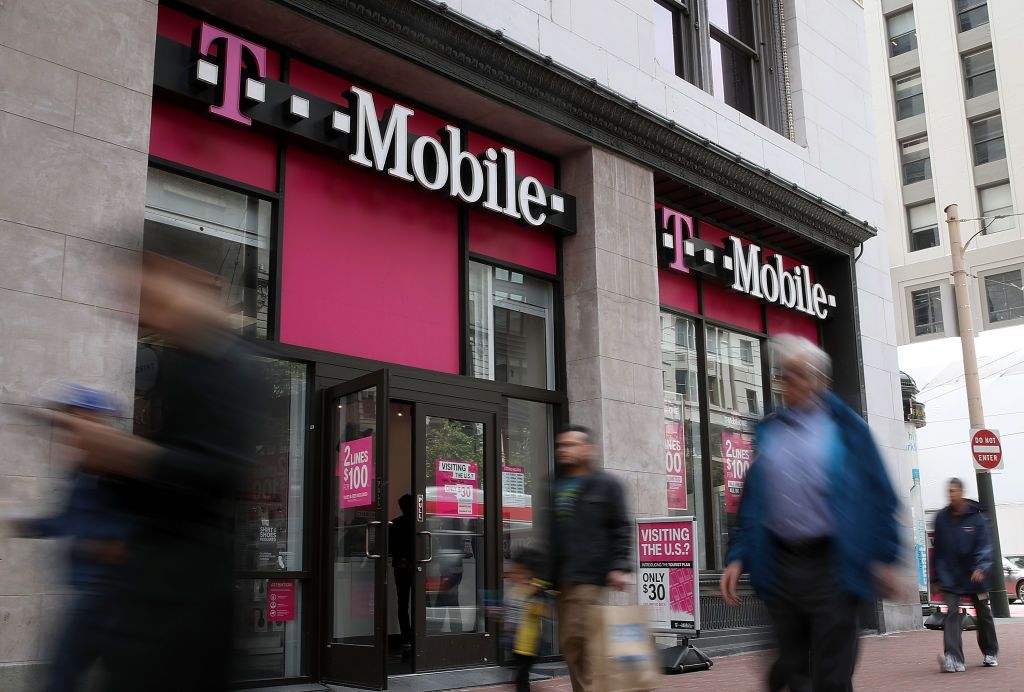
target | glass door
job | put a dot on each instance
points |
(355, 425)
(456, 555)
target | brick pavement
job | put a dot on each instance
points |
(901, 662)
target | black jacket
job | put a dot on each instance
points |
(597, 539)
(961, 545)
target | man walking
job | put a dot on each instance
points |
(591, 546)
(817, 528)
(961, 562)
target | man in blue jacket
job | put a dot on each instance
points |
(817, 529)
(961, 562)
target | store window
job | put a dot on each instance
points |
(924, 229)
(511, 329)
(1004, 294)
(221, 231)
(971, 13)
(979, 73)
(902, 33)
(915, 160)
(987, 140)
(675, 38)
(732, 418)
(995, 202)
(683, 458)
(527, 461)
(909, 95)
(926, 307)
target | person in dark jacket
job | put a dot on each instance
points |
(817, 527)
(171, 623)
(961, 562)
(591, 545)
(98, 530)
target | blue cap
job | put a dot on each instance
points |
(78, 396)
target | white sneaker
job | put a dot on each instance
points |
(990, 661)
(960, 668)
(947, 664)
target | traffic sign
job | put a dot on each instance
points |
(986, 448)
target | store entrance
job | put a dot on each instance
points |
(416, 539)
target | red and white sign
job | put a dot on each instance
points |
(675, 465)
(667, 576)
(355, 473)
(456, 493)
(280, 600)
(737, 453)
(986, 448)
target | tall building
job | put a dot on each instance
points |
(451, 227)
(950, 119)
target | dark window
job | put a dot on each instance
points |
(902, 34)
(924, 230)
(979, 73)
(915, 160)
(733, 53)
(909, 95)
(752, 405)
(926, 304)
(987, 136)
(675, 38)
(971, 13)
(994, 202)
(1005, 294)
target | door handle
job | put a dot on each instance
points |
(366, 541)
(430, 543)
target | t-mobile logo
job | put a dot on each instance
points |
(235, 53)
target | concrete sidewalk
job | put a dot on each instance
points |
(898, 662)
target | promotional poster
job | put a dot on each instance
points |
(737, 455)
(667, 574)
(675, 465)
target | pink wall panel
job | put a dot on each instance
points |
(214, 145)
(785, 321)
(678, 290)
(732, 307)
(504, 239)
(370, 266)
(179, 27)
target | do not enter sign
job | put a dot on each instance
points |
(987, 451)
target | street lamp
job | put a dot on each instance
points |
(975, 410)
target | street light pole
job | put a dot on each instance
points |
(975, 409)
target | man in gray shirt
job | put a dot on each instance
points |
(817, 528)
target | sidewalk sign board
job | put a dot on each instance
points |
(667, 574)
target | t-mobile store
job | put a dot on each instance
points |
(437, 280)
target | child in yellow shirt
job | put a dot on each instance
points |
(524, 609)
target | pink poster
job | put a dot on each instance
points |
(456, 493)
(667, 575)
(355, 473)
(280, 600)
(675, 465)
(738, 453)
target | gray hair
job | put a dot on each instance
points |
(789, 348)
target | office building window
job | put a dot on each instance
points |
(915, 160)
(511, 326)
(747, 351)
(926, 306)
(971, 13)
(675, 39)
(979, 73)
(902, 34)
(924, 230)
(1005, 295)
(732, 53)
(752, 406)
(995, 201)
(987, 138)
(909, 95)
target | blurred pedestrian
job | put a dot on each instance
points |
(171, 621)
(98, 530)
(961, 562)
(401, 536)
(591, 546)
(523, 613)
(817, 527)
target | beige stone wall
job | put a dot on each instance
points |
(75, 90)
(612, 326)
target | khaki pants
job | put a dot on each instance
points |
(574, 629)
